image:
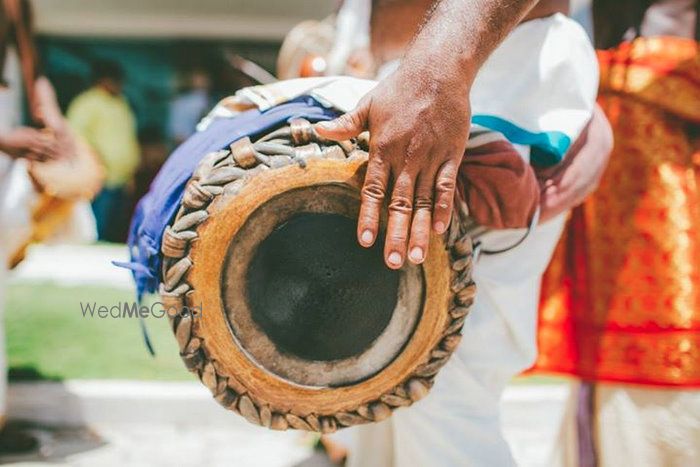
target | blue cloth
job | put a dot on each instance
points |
(157, 208)
(547, 148)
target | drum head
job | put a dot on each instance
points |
(314, 292)
(294, 324)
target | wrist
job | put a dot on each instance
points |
(447, 65)
(443, 75)
(3, 144)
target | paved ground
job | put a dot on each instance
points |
(130, 423)
(75, 265)
(87, 423)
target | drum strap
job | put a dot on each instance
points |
(18, 13)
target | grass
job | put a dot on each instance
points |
(48, 337)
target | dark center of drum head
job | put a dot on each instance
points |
(316, 293)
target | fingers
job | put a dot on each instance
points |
(445, 182)
(422, 213)
(44, 147)
(32, 156)
(372, 199)
(400, 211)
(412, 207)
(346, 126)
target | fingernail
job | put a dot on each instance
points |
(395, 259)
(367, 237)
(416, 254)
(439, 227)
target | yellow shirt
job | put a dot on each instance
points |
(108, 124)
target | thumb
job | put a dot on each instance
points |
(346, 126)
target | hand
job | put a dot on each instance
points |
(569, 184)
(419, 126)
(29, 143)
(48, 113)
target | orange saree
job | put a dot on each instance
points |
(621, 298)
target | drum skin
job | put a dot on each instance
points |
(263, 221)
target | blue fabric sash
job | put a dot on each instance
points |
(157, 208)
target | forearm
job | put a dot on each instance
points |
(3, 143)
(458, 35)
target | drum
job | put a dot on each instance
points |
(278, 310)
(59, 184)
(308, 51)
(305, 49)
(79, 175)
(48, 214)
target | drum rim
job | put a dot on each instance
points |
(206, 345)
(261, 384)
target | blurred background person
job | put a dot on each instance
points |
(16, 142)
(104, 118)
(27, 212)
(189, 106)
(621, 299)
(154, 152)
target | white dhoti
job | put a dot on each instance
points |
(458, 423)
(3, 356)
(544, 75)
(18, 198)
(10, 105)
(643, 426)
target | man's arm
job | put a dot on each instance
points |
(419, 121)
(28, 143)
(54, 141)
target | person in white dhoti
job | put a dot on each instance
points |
(537, 92)
(537, 85)
(18, 194)
(15, 221)
(549, 104)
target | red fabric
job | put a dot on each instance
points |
(621, 297)
(499, 186)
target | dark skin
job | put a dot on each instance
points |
(419, 119)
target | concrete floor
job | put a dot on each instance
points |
(132, 423)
